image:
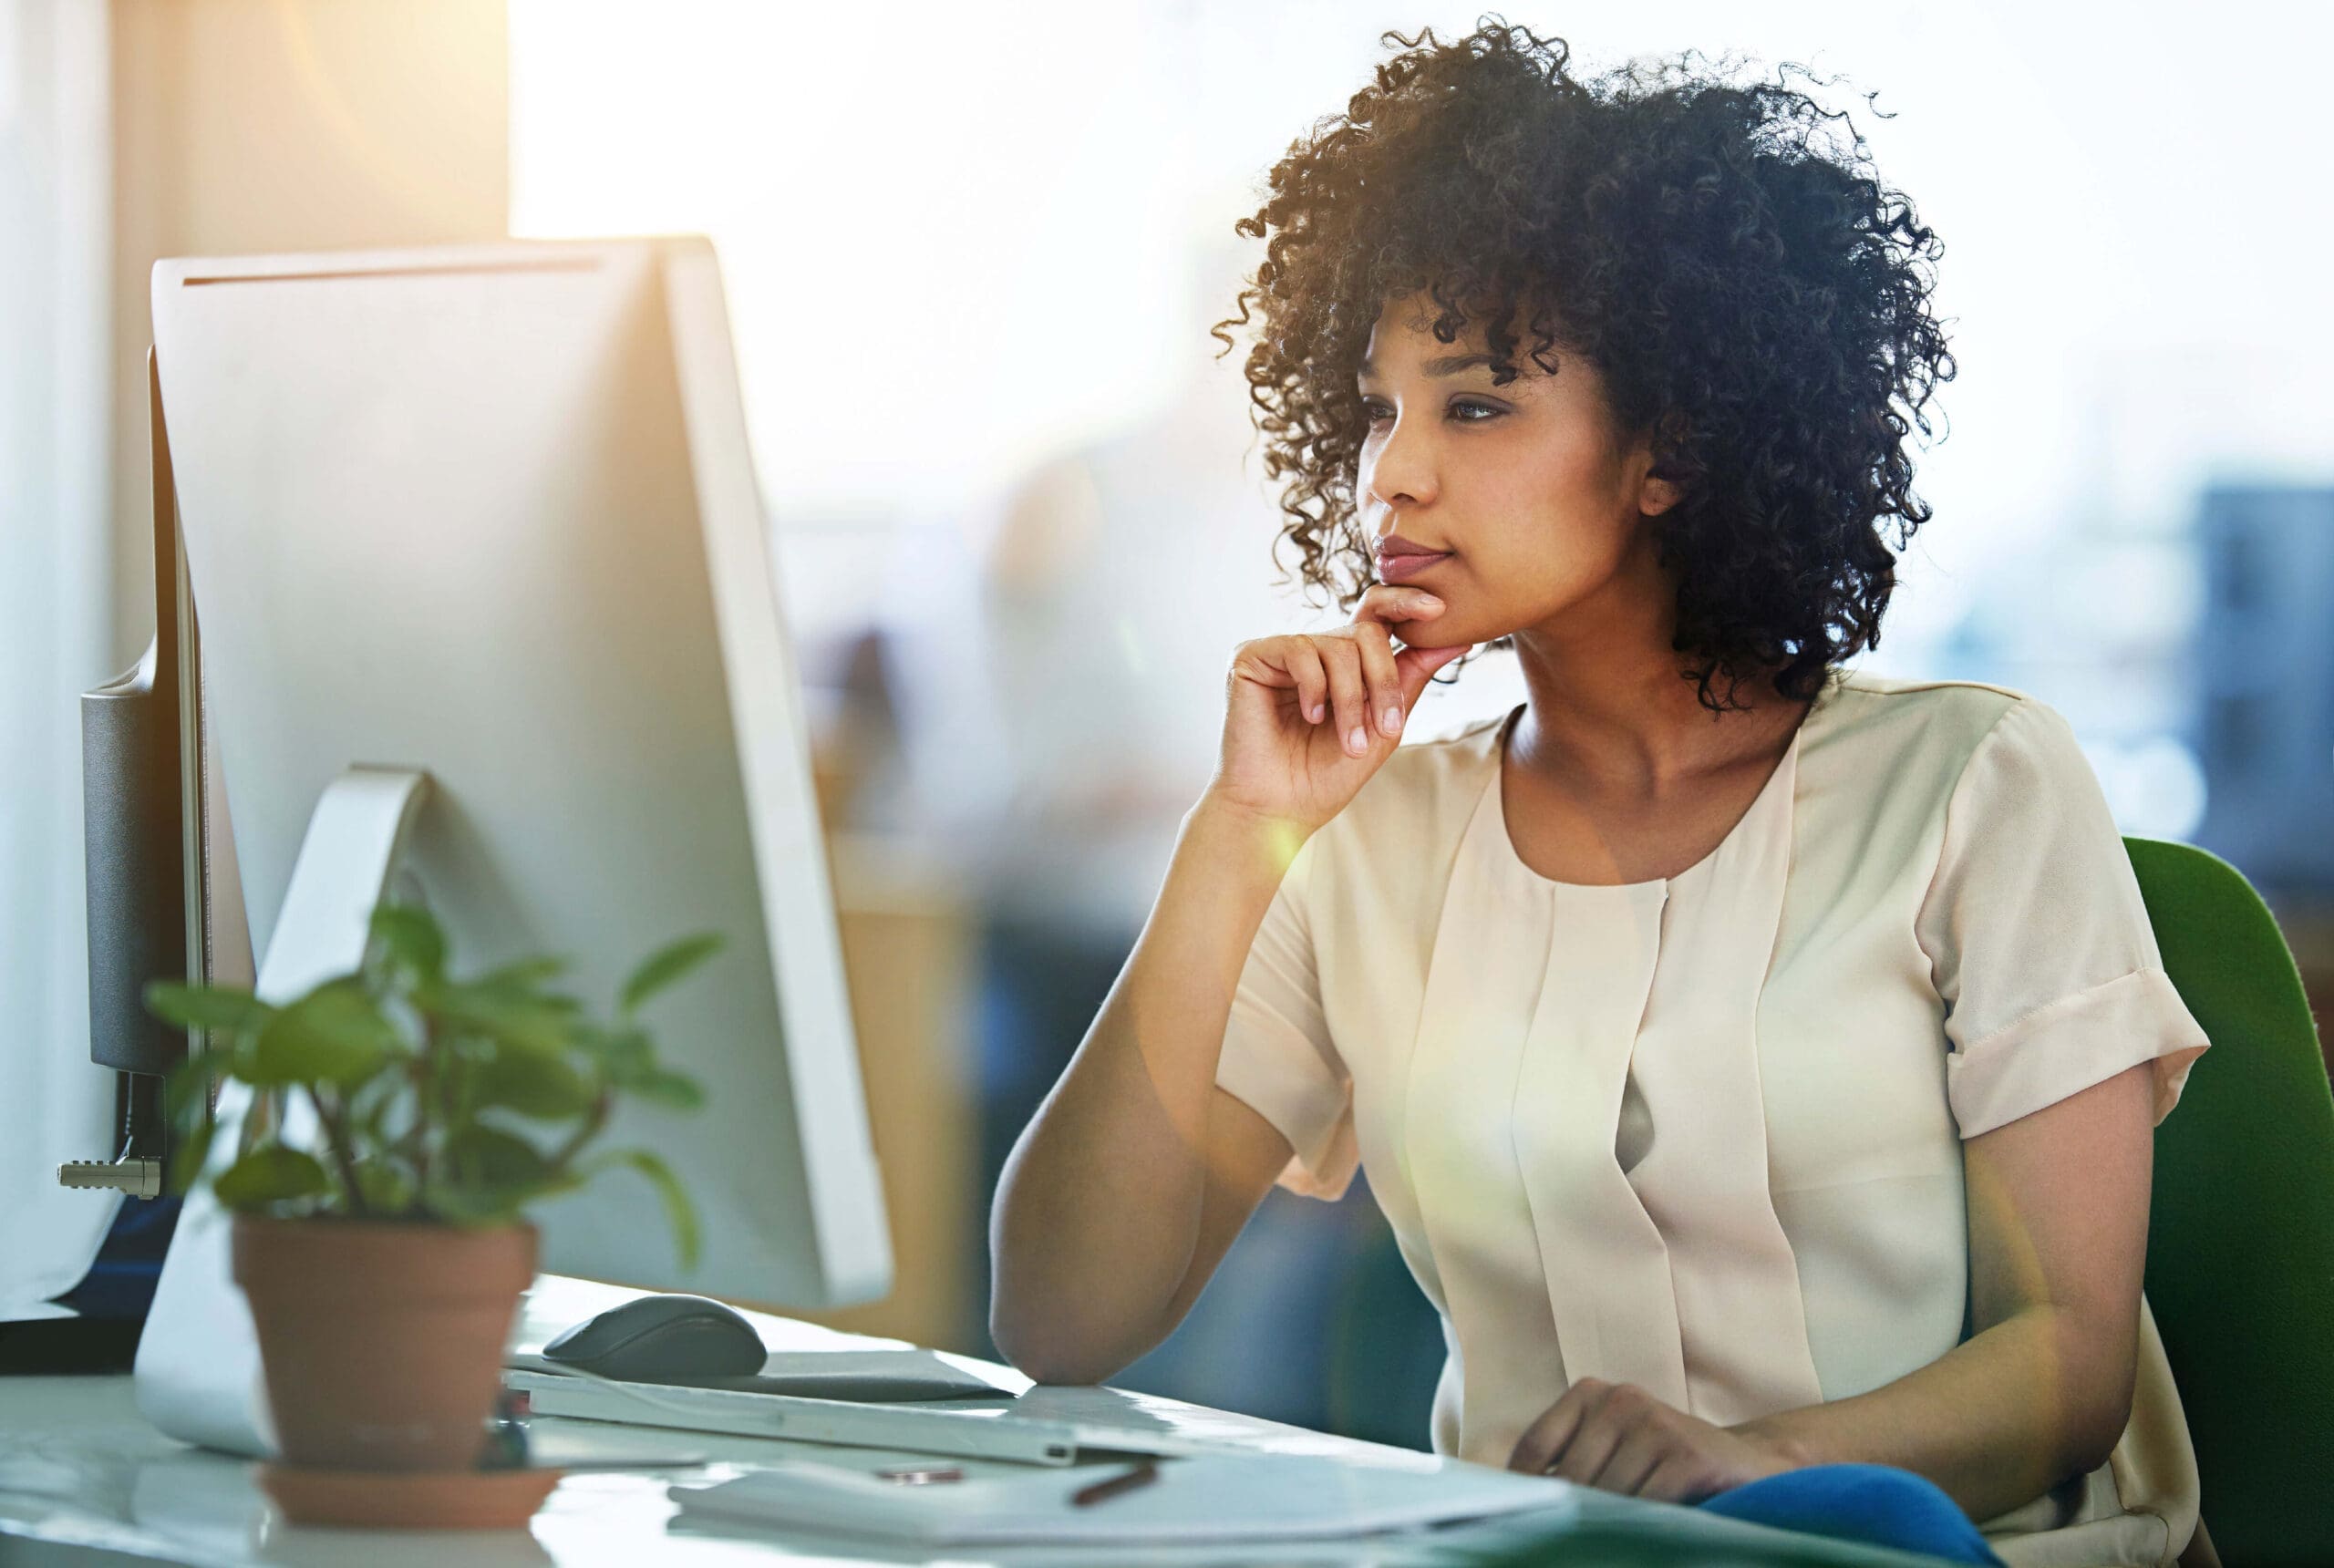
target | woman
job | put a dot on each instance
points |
(1756, 1061)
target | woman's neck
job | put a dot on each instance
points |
(1623, 723)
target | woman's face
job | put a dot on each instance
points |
(1528, 501)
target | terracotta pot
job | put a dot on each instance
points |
(382, 1343)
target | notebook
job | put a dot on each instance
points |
(1212, 1498)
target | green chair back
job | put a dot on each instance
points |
(2240, 1272)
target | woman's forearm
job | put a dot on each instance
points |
(1098, 1208)
(1997, 1421)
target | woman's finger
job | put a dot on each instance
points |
(1379, 676)
(1592, 1445)
(1415, 666)
(1679, 1478)
(1264, 662)
(1303, 665)
(1545, 1437)
(1638, 1455)
(1624, 1414)
(1392, 606)
(1349, 698)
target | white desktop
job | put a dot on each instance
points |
(484, 521)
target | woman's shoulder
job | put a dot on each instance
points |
(1901, 745)
(1947, 719)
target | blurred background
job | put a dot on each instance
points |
(972, 254)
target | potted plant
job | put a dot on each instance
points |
(402, 1123)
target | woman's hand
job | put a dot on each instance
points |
(1618, 1438)
(1309, 717)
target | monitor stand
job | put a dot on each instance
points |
(198, 1374)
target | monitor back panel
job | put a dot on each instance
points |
(488, 512)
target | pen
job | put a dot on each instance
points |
(1126, 1481)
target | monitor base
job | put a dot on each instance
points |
(198, 1370)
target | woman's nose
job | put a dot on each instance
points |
(1402, 470)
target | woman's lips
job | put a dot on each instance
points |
(1401, 567)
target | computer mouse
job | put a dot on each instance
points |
(661, 1339)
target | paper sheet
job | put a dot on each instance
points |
(1217, 1498)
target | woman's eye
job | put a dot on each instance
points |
(1461, 412)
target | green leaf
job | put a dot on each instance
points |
(486, 1158)
(486, 1175)
(334, 1034)
(665, 966)
(523, 1022)
(525, 976)
(386, 1189)
(661, 1086)
(223, 1008)
(413, 937)
(678, 1210)
(468, 1208)
(270, 1174)
(542, 1086)
(624, 1055)
(186, 1160)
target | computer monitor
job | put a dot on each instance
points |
(487, 616)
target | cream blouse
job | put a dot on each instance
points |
(1703, 1134)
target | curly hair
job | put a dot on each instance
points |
(1755, 300)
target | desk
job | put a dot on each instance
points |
(86, 1483)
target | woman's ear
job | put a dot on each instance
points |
(1656, 494)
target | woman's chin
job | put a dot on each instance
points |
(1444, 632)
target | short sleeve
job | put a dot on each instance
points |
(2038, 938)
(1277, 1055)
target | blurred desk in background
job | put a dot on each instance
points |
(907, 940)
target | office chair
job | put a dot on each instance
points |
(2240, 1271)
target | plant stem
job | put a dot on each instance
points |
(337, 1142)
(583, 1134)
(425, 1075)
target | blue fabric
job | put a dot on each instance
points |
(119, 1286)
(1879, 1505)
